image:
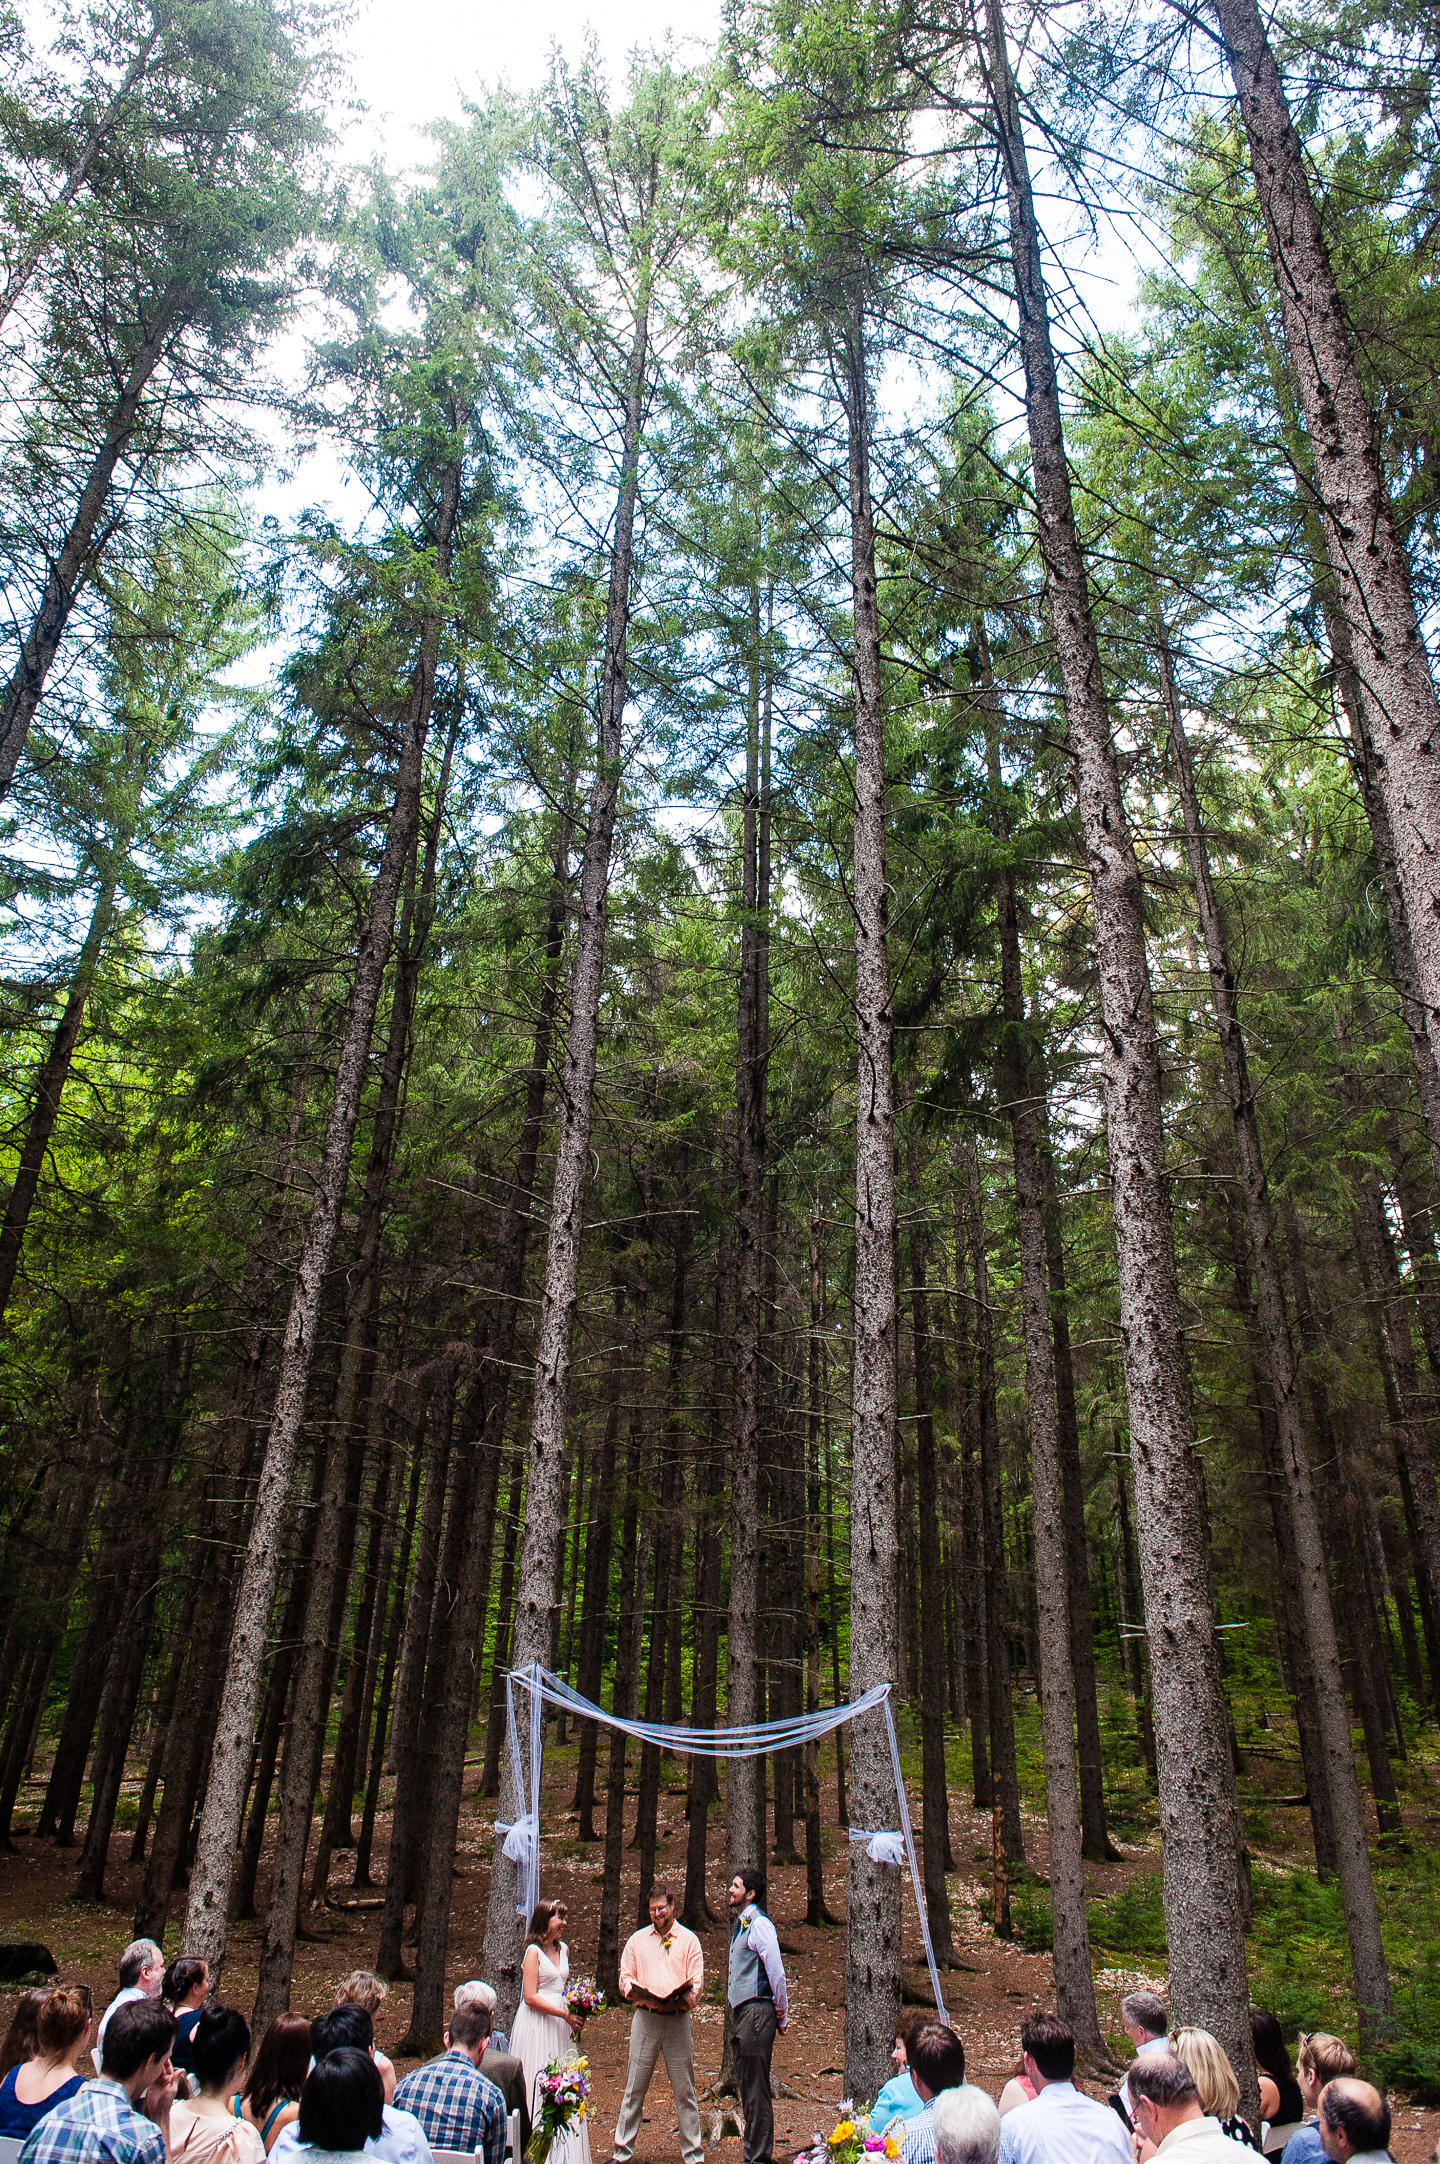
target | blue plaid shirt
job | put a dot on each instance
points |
(919, 2144)
(457, 2105)
(99, 2125)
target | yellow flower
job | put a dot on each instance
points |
(844, 2132)
(892, 2147)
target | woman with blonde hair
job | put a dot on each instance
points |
(1215, 2082)
(362, 1988)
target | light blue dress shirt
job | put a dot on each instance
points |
(1063, 2126)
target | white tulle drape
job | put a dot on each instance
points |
(752, 1740)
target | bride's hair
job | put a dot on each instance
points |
(540, 1922)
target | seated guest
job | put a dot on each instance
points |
(1018, 2089)
(1145, 2022)
(400, 2140)
(937, 2062)
(1061, 2125)
(270, 2099)
(49, 2075)
(1322, 2058)
(1168, 2120)
(474, 1993)
(898, 2098)
(341, 2112)
(457, 2105)
(1281, 2105)
(22, 2037)
(967, 2127)
(142, 1972)
(360, 1988)
(207, 2129)
(124, 2117)
(186, 1982)
(1354, 2123)
(1215, 2083)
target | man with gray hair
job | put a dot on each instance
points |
(499, 2063)
(967, 2126)
(1168, 2112)
(1144, 2019)
(142, 1972)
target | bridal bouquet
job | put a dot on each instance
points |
(851, 2142)
(561, 2095)
(584, 1997)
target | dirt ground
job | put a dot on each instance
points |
(986, 1999)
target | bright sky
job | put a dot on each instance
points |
(414, 60)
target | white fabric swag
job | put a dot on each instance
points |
(750, 1740)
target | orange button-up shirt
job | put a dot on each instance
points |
(645, 1962)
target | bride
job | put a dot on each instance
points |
(545, 2029)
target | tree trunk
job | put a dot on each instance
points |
(595, 1611)
(1095, 1836)
(972, 1539)
(114, 1737)
(607, 1953)
(1197, 1794)
(205, 1923)
(164, 1715)
(46, 1108)
(872, 1969)
(394, 1576)
(1020, 1094)
(544, 1472)
(816, 1908)
(78, 552)
(1000, 1712)
(1316, 1618)
(1367, 558)
(704, 1785)
(419, 1601)
(935, 1791)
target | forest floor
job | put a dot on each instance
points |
(997, 1984)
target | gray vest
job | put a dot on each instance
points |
(748, 1979)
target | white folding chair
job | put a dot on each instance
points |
(441, 2156)
(10, 2147)
(512, 2137)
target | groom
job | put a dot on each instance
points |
(661, 1972)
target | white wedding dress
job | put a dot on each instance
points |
(537, 2039)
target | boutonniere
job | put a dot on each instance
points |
(665, 1942)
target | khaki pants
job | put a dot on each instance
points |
(655, 2036)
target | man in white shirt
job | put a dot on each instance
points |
(402, 2138)
(142, 1972)
(1354, 2123)
(1145, 2020)
(1061, 2125)
(1168, 2113)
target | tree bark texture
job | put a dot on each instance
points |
(1316, 1618)
(205, 1923)
(1371, 570)
(1197, 1796)
(872, 1975)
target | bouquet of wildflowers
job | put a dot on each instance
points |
(561, 2094)
(584, 1997)
(851, 2142)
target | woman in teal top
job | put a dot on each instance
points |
(899, 2098)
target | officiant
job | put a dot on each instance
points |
(661, 1972)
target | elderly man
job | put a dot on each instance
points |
(967, 2126)
(1144, 2019)
(1168, 2114)
(499, 2064)
(142, 1972)
(124, 2117)
(1354, 2123)
(1061, 2125)
(662, 1970)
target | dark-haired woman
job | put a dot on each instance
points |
(49, 2075)
(186, 1982)
(1281, 2105)
(545, 2029)
(343, 2106)
(20, 2037)
(270, 2100)
(206, 2130)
